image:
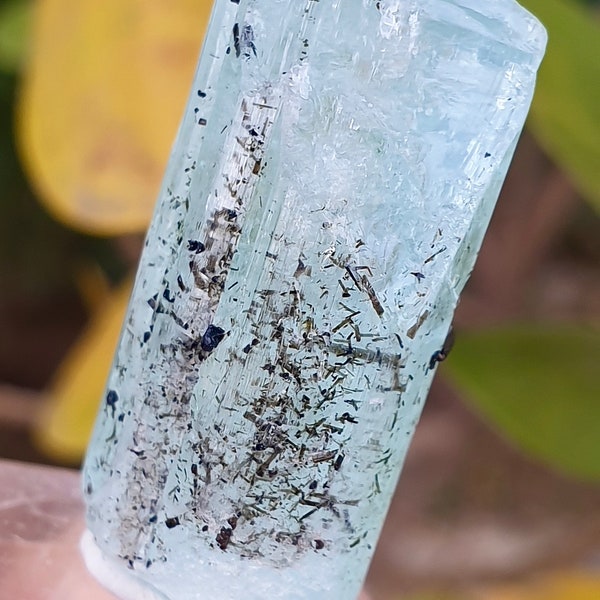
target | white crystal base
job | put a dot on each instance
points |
(112, 575)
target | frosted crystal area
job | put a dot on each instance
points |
(334, 174)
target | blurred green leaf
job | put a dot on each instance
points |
(565, 115)
(540, 387)
(15, 17)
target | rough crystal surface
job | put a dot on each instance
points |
(330, 186)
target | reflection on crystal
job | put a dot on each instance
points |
(335, 171)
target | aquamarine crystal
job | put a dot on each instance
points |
(335, 171)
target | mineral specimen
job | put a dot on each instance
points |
(335, 171)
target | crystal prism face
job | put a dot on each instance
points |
(330, 186)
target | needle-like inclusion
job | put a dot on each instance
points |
(335, 171)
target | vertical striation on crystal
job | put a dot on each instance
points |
(335, 171)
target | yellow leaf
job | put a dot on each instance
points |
(93, 286)
(568, 585)
(66, 421)
(102, 96)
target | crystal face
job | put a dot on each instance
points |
(332, 180)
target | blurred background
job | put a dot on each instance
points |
(500, 496)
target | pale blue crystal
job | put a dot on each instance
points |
(335, 171)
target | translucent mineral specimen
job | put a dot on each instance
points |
(335, 171)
